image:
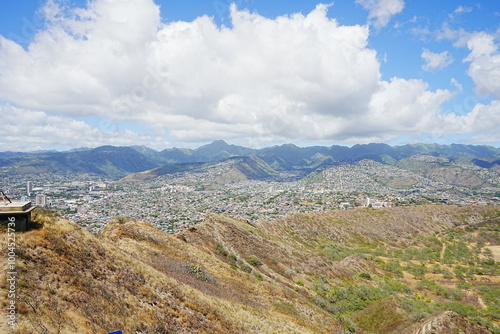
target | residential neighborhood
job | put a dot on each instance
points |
(179, 200)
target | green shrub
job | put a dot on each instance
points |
(417, 271)
(337, 252)
(254, 261)
(491, 295)
(220, 249)
(198, 271)
(436, 269)
(244, 267)
(365, 276)
(393, 266)
(446, 273)
(232, 258)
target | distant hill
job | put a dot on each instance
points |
(117, 162)
(421, 269)
(230, 170)
(106, 160)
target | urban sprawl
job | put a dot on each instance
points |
(180, 200)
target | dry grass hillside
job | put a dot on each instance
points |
(138, 279)
(446, 322)
(359, 271)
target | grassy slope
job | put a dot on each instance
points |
(136, 278)
(350, 260)
(307, 273)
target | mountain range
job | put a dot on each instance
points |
(117, 162)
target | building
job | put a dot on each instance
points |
(41, 200)
(16, 214)
(369, 202)
(29, 188)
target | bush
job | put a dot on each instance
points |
(394, 267)
(491, 294)
(232, 259)
(197, 271)
(337, 252)
(417, 271)
(446, 273)
(220, 249)
(40, 216)
(254, 261)
(244, 267)
(365, 276)
(439, 290)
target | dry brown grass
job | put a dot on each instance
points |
(136, 278)
(495, 249)
(399, 225)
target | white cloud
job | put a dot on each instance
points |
(295, 78)
(483, 121)
(27, 130)
(484, 66)
(457, 85)
(460, 10)
(405, 107)
(484, 58)
(458, 36)
(435, 61)
(381, 11)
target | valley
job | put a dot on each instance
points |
(381, 241)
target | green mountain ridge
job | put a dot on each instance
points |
(118, 162)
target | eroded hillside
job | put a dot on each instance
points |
(335, 272)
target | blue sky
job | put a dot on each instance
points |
(251, 72)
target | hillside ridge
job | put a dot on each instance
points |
(227, 275)
(117, 162)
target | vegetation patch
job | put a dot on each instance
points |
(254, 261)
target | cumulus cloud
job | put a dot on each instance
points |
(294, 78)
(482, 121)
(27, 130)
(381, 11)
(484, 66)
(435, 61)
(484, 58)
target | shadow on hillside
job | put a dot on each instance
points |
(40, 217)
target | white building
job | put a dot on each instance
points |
(41, 200)
(29, 187)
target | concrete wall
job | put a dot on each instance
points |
(22, 220)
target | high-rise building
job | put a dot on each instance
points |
(29, 187)
(41, 200)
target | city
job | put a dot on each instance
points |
(180, 200)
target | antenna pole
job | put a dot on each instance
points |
(4, 197)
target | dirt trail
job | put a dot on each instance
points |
(443, 249)
(495, 249)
